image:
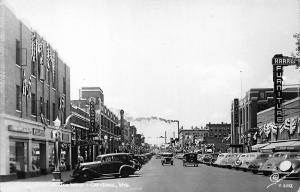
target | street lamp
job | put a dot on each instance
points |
(56, 135)
(105, 143)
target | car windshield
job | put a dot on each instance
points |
(167, 155)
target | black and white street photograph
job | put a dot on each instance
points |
(149, 95)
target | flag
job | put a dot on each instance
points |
(29, 87)
(293, 125)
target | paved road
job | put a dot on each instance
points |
(154, 177)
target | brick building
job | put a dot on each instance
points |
(34, 91)
(107, 138)
(244, 115)
(218, 136)
(192, 138)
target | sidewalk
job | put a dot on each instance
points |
(43, 178)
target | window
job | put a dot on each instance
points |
(33, 104)
(33, 69)
(48, 77)
(18, 97)
(64, 85)
(18, 52)
(53, 112)
(42, 108)
(47, 110)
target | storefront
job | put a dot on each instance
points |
(30, 149)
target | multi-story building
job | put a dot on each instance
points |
(244, 115)
(80, 126)
(105, 138)
(285, 136)
(192, 138)
(34, 92)
(219, 136)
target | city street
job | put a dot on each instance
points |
(155, 177)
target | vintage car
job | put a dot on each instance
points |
(270, 166)
(251, 157)
(290, 167)
(200, 157)
(257, 163)
(230, 160)
(136, 163)
(167, 158)
(239, 161)
(207, 159)
(115, 164)
(190, 159)
(221, 159)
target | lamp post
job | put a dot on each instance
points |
(105, 143)
(56, 135)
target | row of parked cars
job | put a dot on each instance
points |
(283, 163)
(113, 164)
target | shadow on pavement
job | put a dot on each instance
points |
(76, 180)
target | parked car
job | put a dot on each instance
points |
(116, 164)
(136, 164)
(270, 166)
(221, 159)
(200, 158)
(190, 159)
(167, 158)
(239, 161)
(207, 159)
(251, 157)
(290, 167)
(257, 163)
(230, 160)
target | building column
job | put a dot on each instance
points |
(30, 155)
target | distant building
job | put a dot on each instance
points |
(218, 136)
(192, 138)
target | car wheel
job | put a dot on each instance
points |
(125, 173)
(265, 173)
(85, 176)
(254, 172)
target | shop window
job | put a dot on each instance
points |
(51, 156)
(18, 157)
(35, 159)
(18, 97)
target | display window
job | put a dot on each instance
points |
(51, 156)
(18, 156)
(36, 158)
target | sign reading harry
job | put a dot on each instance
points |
(92, 102)
(279, 61)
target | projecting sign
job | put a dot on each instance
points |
(281, 60)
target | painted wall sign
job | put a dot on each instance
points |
(38, 132)
(18, 129)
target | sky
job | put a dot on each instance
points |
(175, 59)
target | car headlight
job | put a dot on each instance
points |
(285, 166)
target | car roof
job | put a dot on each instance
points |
(112, 154)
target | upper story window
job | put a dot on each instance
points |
(18, 97)
(18, 52)
(33, 104)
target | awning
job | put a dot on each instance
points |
(280, 146)
(291, 145)
(258, 146)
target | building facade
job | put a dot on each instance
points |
(105, 138)
(191, 139)
(34, 91)
(244, 115)
(218, 139)
(285, 136)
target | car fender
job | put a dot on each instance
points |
(93, 173)
(127, 167)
